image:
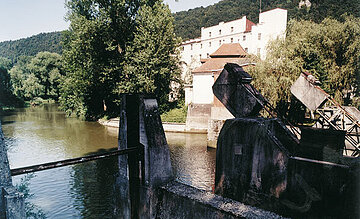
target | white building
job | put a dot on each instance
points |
(252, 37)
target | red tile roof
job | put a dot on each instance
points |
(227, 53)
(217, 64)
(229, 50)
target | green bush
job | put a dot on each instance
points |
(177, 115)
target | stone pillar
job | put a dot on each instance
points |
(142, 173)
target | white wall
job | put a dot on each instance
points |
(202, 88)
(272, 25)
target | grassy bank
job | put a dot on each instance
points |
(177, 115)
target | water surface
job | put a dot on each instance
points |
(42, 134)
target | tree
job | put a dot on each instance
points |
(37, 76)
(329, 50)
(151, 60)
(46, 68)
(97, 63)
(7, 99)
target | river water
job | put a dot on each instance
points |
(42, 134)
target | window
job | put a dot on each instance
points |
(200, 56)
(219, 42)
(232, 40)
(244, 38)
(207, 55)
(200, 46)
(258, 51)
(259, 36)
(209, 44)
(209, 34)
(191, 47)
(219, 32)
(232, 29)
(191, 57)
(246, 49)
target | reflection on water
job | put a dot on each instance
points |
(193, 163)
(43, 134)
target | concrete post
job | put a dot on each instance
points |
(140, 126)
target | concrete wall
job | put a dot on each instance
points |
(176, 200)
(259, 164)
(197, 117)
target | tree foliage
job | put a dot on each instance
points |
(37, 76)
(151, 61)
(7, 99)
(99, 53)
(329, 50)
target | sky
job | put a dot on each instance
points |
(24, 18)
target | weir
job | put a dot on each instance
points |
(262, 169)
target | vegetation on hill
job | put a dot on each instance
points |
(188, 23)
(31, 46)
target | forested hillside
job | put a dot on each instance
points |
(31, 46)
(188, 23)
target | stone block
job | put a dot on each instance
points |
(234, 90)
(251, 163)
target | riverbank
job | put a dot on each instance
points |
(168, 126)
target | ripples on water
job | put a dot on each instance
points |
(43, 134)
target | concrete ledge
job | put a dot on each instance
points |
(177, 200)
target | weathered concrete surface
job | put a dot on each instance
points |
(214, 128)
(14, 203)
(140, 126)
(258, 163)
(11, 202)
(231, 88)
(321, 144)
(157, 164)
(176, 200)
(317, 189)
(197, 117)
(251, 163)
(218, 116)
